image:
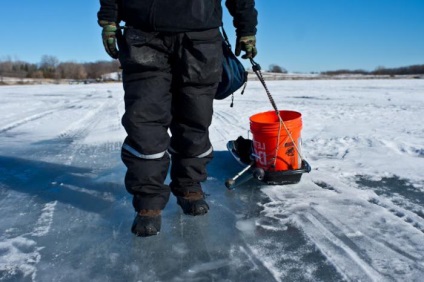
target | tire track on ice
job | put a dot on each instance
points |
(337, 248)
(358, 255)
(365, 237)
(73, 136)
(364, 256)
(410, 217)
(81, 127)
(75, 152)
(35, 115)
(231, 129)
(25, 120)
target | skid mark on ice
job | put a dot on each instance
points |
(26, 117)
(207, 266)
(255, 261)
(278, 245)
(25, 120)
(326, 186)
(243, 262)
(82, 126)
(288, 256)
(401, 192)
(44, 222)
(229, 128)
(104, 195)
(415, 220)
(335, 148)
(364, 236)
(344, 259)
(374, 256)
(402, 148)
(72, 138)
(226, 118)
(254, 253)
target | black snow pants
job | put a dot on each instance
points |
(170, 80)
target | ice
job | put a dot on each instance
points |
(44, 222)
(18, 258)
(359, 215)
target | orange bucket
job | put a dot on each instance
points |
(270, 155)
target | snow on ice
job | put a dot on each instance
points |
(358, 216)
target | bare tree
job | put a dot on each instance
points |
(48, 65)
(71, 70)
(37, 74)
(380, 70)
(48, 61)
(6, 68)
(277, 69)
(97, 69)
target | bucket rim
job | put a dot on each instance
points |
(297, 115)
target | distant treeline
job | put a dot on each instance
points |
(50, 67)
(409, 70)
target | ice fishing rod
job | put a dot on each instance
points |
(257, 70)
(258, 173)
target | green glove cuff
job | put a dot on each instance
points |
(104, 23)
(248, 39)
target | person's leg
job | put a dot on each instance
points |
(144, 152)
(199, 71)
(147, 82)
(191, 149)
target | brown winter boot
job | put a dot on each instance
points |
(147, 223)
(193, 203)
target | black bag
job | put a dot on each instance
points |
(234, 75)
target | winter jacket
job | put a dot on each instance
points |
(179, 15)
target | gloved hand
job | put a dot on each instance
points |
(247, 44)
(109, 38)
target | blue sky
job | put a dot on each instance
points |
(299, 35)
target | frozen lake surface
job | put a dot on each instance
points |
(358, 216)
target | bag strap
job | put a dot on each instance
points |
(224, 34)
(227, 42)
